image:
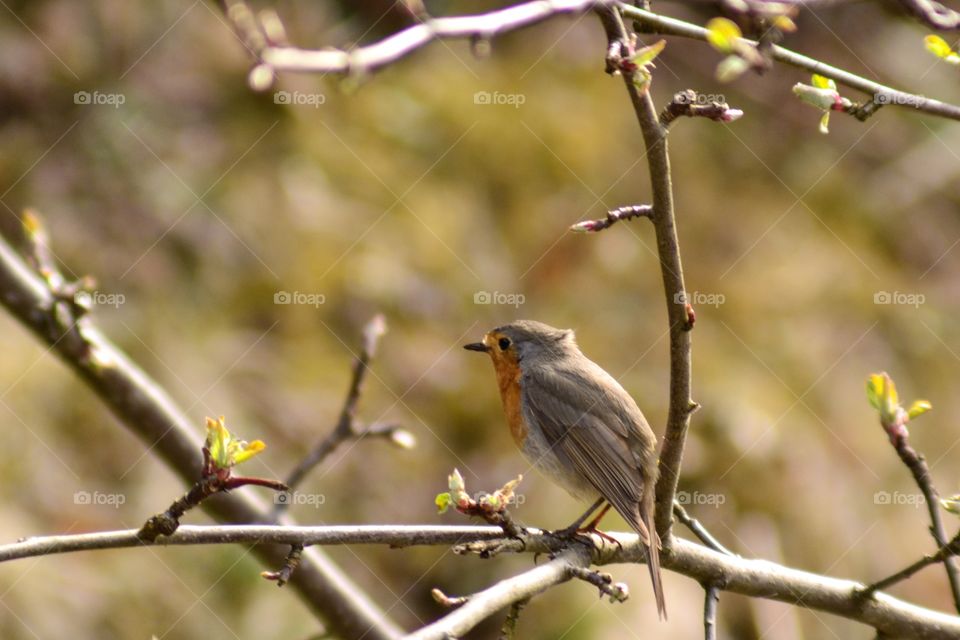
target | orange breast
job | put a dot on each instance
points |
(508, 379)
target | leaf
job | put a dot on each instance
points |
(918, 408)
(937, 46)
(455, 482)
(731, 68)
(822, 82)
(951, 504)
(442, 501)
(646, 55)
(875, 390)
(785, 24)
(247, 450)
(823, 99)
(723, 34)
(825, 123)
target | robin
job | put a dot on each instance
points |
(576, 424)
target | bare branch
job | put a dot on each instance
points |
(348, 428)
(363, 60)
(882, 94)
(616, 215)
(144, 408)
(755, 578)
(699, 530)
(934, 14)
(952, 548)
(711, 598)
(671, 270)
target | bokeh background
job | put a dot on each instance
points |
(197, 201)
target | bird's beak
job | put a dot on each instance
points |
(476, 346)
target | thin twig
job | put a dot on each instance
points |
(698, 529)
(952, 548)
(290, 565)
(711, 598)
(347, 427)
(921, 475)
(668, 249)
(882, 94)
(628, 212)
(509, 629)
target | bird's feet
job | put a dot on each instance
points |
(575, 531)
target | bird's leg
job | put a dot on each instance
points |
(574, 528)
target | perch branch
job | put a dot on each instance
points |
(754, 578)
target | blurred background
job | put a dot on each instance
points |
(201, 207)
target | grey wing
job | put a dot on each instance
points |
(597, 427)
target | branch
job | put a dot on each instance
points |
(699, 530)
(882, 94)
(668, 249)
(615, 215)
(144, 408)
(348, 428)
(921, 474)
(934, 14)
(711, 598)
(755, 578)
(952, 548)
(363, 60)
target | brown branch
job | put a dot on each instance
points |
(934, 14)
(699, 530)
(754, 578)
(951, 549)
(348, 427)
(882, 94)
(690, 104)
(145, 409)
(370, 58)
(711, 599)
(921, 475)
(668, 249)
(613, 216)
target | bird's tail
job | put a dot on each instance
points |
(653, 552)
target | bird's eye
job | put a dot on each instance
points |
(504, 344)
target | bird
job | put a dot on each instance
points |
(578, 426)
